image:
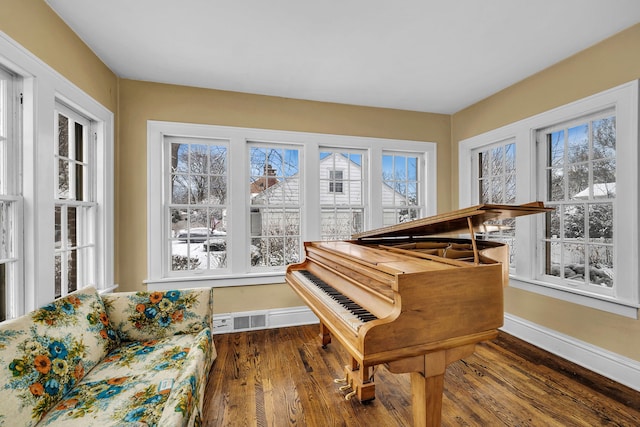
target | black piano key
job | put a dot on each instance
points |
(346, 302)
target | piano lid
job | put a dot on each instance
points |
(455, 221)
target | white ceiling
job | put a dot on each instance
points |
(424, 55)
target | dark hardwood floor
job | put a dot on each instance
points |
(283, 377)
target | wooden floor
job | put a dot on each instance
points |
(282, 377)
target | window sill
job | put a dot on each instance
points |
(593, 301)
(215, 281)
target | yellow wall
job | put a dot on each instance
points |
(142, 101)
(603, 66)
(615, 61)
(39, 29)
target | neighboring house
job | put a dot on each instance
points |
(342, 197)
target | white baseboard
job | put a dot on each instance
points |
(262, 319)
(611, 365)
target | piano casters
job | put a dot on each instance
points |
(359, 380)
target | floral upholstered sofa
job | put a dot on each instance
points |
(121, 359)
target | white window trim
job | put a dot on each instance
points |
(42, 88)
(624, 99)
(311, 144)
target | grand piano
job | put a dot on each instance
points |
(410, 297)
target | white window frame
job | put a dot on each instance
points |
(276, 207)
(624, 101)
(238, 260)
(42, 88)
(169, 205)
(420, 166)
(11, 194)
(332, 181)
(85, 248)
(497, 235)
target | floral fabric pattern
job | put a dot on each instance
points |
(65, 365)
(46, 368)
(156, 314)
(45, 353)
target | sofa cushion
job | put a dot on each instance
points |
(48, 351)
(141, 316)
(140, 383)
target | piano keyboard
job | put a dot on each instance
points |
(352, 313)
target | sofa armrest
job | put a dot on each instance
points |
(140, 316)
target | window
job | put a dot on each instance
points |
(10, 201)
(342, 211)
(579, 162)
(75, 206)
(335, 181)
(56, 185)
(197, 203)
(495, 169)
(276, 205)
(401, 192)
(236, 204)
(582, 160)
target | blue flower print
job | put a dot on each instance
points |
(68, 308)
(134, 415)
(161, 367)
(49, 307)
(164, 321)
(172, 295)
(179, 356)
(145, 350)
(57, 350)
(153, 400)
(52, 387)
(111, 391)
(150, 312)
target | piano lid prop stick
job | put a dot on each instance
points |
(476, 259)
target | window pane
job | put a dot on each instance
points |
(197, 198)
(574, 261)
(601, 223)
(72, 271)
(601, 265)
(555, 180)
(3, 292)
(401, 188)
(578, 182)
(556, 148)
(510, 158)
(496, 169)
(340, 224)
(276, 236)
(63, 179)
(342, 195)
(63, 136)
(74, 211)
(604, 138)
(578, 144)
(58, 227)
(72, 227)
(58, 276)
(6, 226)
(583, 251)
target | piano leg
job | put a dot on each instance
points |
(427, 381)
(325, 335)
(426, 399)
